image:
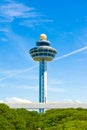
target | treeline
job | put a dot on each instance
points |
(54, 119)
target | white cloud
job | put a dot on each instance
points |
(14, 100)
(65, 35)
(10, 10)
(72, 101)
(3, 39)
(34, 22)
(29, 16)
(3, 29)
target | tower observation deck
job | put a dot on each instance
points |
(43, 53)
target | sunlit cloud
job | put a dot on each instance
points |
(14, 100)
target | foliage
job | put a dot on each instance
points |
(54, 119)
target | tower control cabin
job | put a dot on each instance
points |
(43, 53)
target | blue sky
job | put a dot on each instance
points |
(65, 24)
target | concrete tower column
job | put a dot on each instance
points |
(42, 82)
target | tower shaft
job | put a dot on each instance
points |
(43, 53)
(42, 82)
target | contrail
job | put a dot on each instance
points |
(71, 53)
(17, 72)
(58, 58)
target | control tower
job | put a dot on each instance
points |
(42, 53)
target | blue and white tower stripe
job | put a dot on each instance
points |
(43, 53)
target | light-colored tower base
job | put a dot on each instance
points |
(42, 83)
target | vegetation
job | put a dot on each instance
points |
(54, 119)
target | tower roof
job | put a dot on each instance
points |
(43, 37)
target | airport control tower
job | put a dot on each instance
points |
(43, 53)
